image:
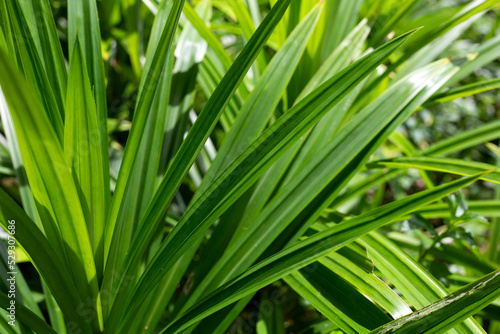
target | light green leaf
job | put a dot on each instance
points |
(259, 106)
(192, 146)
(415, 283)
(44, 257)
(455, 166)
(463, 91)
(82, 150)
(253, 161)
(25, 316)
(308, 251)
(154, 70)
(443, 314)
(33, 69)
(52, 182)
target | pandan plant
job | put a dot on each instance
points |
(230, 166)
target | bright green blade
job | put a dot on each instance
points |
(23, 294)
(83, 26)
(308, 192)
(247, 27)
(10, 133)
(158, 53)
(428, 53)
(51, 181)
(430, 33)
(305, 252)
(346, 263)
(213, 42)
(485, 208)
(82, 150)
(33, 69)
(210, 75)
(210, 38)
(445, 313)
(47, 261)
(291, 202)
(136, 186)
(26, 317)
(481, 56)
(448, 165)
(28, 204)
(362, 279)
(465, 90)
(414, 282)
(197, 137)
(261, 103)
(254, 116)
(310, 293)
(339, 58)
(44, 32)
(190, 50)
(253, 162)
(83, 21)
(461, 141)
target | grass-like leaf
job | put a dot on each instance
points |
(309, 250)
(443, 314)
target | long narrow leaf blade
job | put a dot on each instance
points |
(448, 165)
(309, 250)
(46, 260)
(52, 181)
(83, 151)
(445, 313)
(252, 162)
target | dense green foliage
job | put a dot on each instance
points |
(250, 166)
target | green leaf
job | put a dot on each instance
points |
(23, 292)
(253, 162)
(431, 33)
(28, 204)
(247, 27)
(51, 180)
(486, 208)
(154, 70)
(299, 202)
(10, 134)
(463, 91)
(305, 252)
(44, 32)
(142, 180)
(345, 265)
(337, 298)
(305, 289)
(209, 76)
(480, 56)
(190, 51)
(83, 24)
(207, 35)
(45, 259)
(259, 106)
(325, 127)
(82, 150)
(194, 142)
(32, 66)
(461, 141)
(455, 166)
(443, 314)
(416, 284)
(25, 316)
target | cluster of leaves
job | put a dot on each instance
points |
(236, 166)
